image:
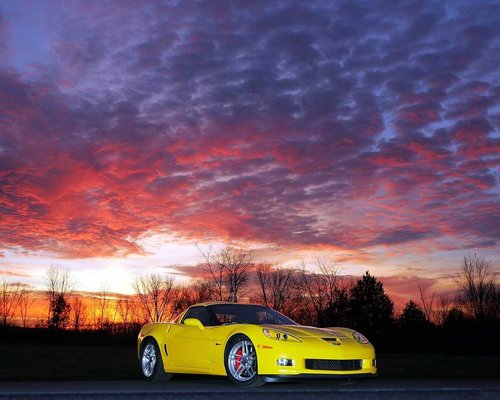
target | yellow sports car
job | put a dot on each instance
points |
(251, 344)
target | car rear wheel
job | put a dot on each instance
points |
(240, 361)
(151, 362)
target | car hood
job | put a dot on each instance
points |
(308, 331)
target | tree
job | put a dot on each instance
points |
(413, 318)
(228, 271)
(237, 263)
(216, 273)
(124, 308)
(102, 303)
(26, 300)
(371, 310)
(183, 297)
(415, 332)
(479, 293)
(60, 309)
(276, 284)
(427, 302)
(9, 299)
(59, 289)
(154, 293)
(78, 313)
(324, 291)
(443, 309)
(202, 291)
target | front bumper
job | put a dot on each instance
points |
(354, 359)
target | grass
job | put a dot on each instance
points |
(36, 362)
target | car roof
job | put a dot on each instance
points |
(211, 303)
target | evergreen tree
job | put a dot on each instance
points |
(59, 312)
(413, 318)
(337, 313)
(371, 310)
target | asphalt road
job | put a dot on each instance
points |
(198, 389)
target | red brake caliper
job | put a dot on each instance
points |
(237, 360)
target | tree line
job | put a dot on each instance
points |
(317, 296)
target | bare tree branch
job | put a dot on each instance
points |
(427, 302)
(9, 299)
(26, 300)
(60, 285)
(479, 292)
(228, 271)
(154, 293)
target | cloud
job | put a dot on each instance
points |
(15, 274)
(3, 36)
(330, 125)
(402, 289)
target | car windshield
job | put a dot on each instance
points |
(246, 314)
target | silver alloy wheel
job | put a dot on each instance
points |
(242, 361)
(148, 360)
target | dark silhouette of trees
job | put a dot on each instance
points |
(413, 318)
(237, 263)
(371, 310)
(428, 302)
(183, 297)
(216, 272)
(154, 292)
(479, 293)
(228, 270)
(323, 290)
(78, 313)
(277, 286)
(125, 310)
(338, 310)
(60, 312)
(413, 322)
(320, 297)
(26, 300)
(101, 317)
(202, 291)
(60, 285)
(415, 333)
(9, 299)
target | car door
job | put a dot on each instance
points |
(189, 346)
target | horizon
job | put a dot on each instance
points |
(134, 136)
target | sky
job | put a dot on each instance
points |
(134, 133)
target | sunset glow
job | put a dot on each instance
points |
(132, 134)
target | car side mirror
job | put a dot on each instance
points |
(194, 322)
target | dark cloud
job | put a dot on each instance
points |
(346, 124)
(3, 37)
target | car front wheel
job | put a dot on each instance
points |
(151, 362)
(241, 362)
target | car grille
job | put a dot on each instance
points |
(334, 365)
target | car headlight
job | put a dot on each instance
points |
(279, 335)
(360, 338)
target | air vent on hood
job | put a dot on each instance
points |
(332, 340)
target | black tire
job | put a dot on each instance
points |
(242, 368)
(151, 363)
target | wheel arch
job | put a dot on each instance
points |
(143, 341)
(250, 333)
(256, 380)
(156, 331)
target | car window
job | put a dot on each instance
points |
(198, 312)
(246, 314)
